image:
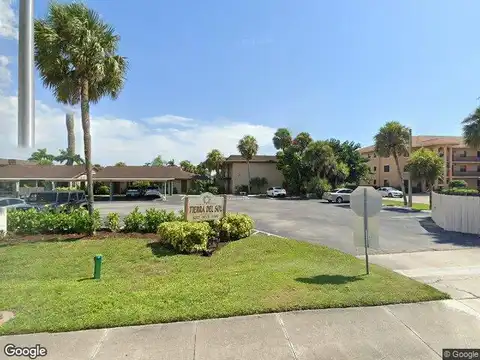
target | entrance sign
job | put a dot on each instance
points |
(205, 207)
(3, 221)
(366, 202)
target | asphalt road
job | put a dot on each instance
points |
(328, 224)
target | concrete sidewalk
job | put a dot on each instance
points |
(456, 272)
(394, 332)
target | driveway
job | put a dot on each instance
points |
(326, 224)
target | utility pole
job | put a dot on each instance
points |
(26, 86)
(410, 145)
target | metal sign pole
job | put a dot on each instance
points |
(410, 178)
(26, 101)
(365, 228)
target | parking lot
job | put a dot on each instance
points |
(326, 224)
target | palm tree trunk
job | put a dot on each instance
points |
(70, 138)
(400, 175)
(87, 141)
(248, 167)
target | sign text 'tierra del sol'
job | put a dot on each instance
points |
(205, 207)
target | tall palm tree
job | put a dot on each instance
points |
(69, 158)
(42, 157)
(471, 129)
(70, 122)
(248, 148)
(392, 140)
(215, 161)
(76, 55)
(282, 139)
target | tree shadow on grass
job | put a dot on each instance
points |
(329, 279)
(160, 250)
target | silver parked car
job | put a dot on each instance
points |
(15, 203)
(338, 195)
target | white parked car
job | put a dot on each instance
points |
(390, 192)
(276, 192)
(338, 195)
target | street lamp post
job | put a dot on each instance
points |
(26, 86)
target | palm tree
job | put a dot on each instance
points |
(282, 139)
(393, 140)
(69, 158)
(320, 156)
(76, 55)
(214, 161)
(471, 129)
(70, 122)
(42, 157)
(248, 148)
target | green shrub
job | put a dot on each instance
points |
(185, 236)
(318, 186)
(112, 222)
(457, 184)
(235, 226)
(461, 192)
(213, 190)
(102, 190)
(32, 222)
(135, 221)
(155, 217)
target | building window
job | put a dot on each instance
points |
(463, 168)
(369, 156)
(374, 155)
(374, 168)
(375, 182)
(386, 168)
(463, 154)
(386, 183)
(478, 154)
(478, 168)
(478, 183)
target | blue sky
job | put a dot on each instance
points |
(335, 69)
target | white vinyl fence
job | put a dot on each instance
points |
(456, 213)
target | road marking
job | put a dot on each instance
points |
(256, 231)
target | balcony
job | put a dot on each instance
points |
(466, 173)
(466, 158)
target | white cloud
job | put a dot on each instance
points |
(134, 142)
(171, 120)
(8, 20)
(5, 75)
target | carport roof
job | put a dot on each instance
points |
(133, 173)
(41, 172)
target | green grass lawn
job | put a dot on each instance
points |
(399, 202)
(48, 285)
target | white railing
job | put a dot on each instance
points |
(456, 213)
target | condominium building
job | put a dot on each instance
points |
(461, 162)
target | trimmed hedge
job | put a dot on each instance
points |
(460, 192)
(149, 221)
(235, 227)
(185, 236)
(32, 222)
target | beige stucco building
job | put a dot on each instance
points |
(262, 166)
(461, 162)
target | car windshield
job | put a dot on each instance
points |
(44, 197)
(132, 191)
